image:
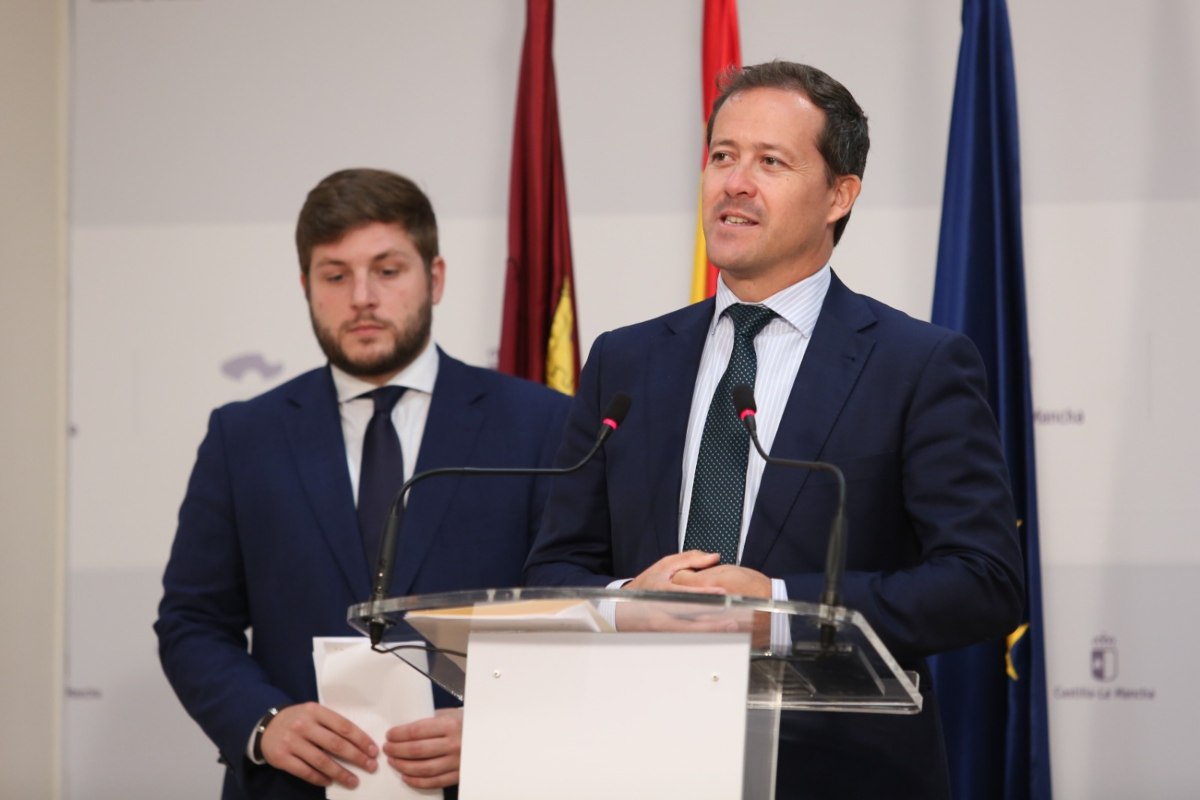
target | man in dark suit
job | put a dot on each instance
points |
(677, 501)
(269, 536)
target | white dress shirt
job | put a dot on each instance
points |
(779, 348)
(408, 416)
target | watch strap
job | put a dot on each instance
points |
(256, 752)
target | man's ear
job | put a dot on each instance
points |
(845, 191)
(437, 279)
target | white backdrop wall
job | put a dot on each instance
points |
(33, 349)
(198, 127)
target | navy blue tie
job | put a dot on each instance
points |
(382, 471)
(719, 487)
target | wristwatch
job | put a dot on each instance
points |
(259, 730)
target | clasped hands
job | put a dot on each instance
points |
(697, 571)
(311, 741)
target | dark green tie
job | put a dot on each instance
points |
(719, 487)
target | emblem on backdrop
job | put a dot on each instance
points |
(238, 366)
(1104, 658)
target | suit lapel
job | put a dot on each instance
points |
(451, 430)
(670, 382)
(831, 367)
(314, 433)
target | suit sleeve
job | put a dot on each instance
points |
(964, 581)
(552, 421)
(574, 547)
(204, 613)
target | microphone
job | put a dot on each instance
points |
(614, 415)
(835, 555)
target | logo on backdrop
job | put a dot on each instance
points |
(238, 366)
(1103, 667)
(1058, 416)
(1104, 659)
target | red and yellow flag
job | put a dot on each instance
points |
(539, 339)
(720, 49)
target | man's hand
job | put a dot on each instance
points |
(740, 581)
(728, 578)
(427, 752)
(660, 575)
(305, 739)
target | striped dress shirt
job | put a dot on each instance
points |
(779, 348)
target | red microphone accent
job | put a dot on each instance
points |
(749, 412)
(618, 407)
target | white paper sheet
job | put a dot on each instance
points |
(375, 691)
(449, 628)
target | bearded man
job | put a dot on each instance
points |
(280, 526)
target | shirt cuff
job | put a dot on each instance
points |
(607, 608)
(781, 633)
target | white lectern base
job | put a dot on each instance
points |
(599, 716)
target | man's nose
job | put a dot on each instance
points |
(364, 294)
(739, 180)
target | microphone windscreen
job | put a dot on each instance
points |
(618, 407)
(743, 399)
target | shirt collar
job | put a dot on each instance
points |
(418, 376)
(799, 304)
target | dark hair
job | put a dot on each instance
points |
(353, 198)
(844, 141)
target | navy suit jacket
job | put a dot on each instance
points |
(933, 561)
(268, 539)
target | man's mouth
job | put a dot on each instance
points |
(734, 219)
(364, 327)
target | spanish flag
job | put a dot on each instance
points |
(539, 338)
(720, 50)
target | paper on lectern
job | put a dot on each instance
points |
(449, 628)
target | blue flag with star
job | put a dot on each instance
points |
(993, 695)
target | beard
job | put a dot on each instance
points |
(407, 344)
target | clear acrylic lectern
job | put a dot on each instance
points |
(603, 693)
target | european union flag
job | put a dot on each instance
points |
(993, 695)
